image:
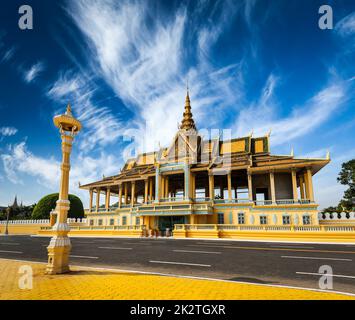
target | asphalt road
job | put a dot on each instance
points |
(293, 264)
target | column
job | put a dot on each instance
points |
(229, 178)
(302, 187)
(211, 185)
(166, 187)
(193, 186)
(250, 186)
(120, 195)
(272, 187)
(91, 199)
(157, 184)
(107, 200)
(306, 187)
(146, 185)
(125, 193)
(187, 181)
(98, 191)
(133, 192)
(294, 185)
(150, 189)
(310, 184)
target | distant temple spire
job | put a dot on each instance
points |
(187, 121)
(15, 204)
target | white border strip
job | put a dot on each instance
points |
(199, 239)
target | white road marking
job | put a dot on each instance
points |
(84, 257)
(211, 246)
(181, 263)
(115, 248)
(316, 258)
(323, 274)
(294, 247)
(145, 243)
(83, 242)
(7, 251)
(191, 251)
(10, 243)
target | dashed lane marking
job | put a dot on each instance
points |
(181, 263)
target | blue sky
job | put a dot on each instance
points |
(251, 65)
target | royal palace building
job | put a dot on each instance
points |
(201, 182)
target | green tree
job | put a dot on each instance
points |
(47, 204)
(347, 177)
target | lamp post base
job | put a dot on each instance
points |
(58, 255)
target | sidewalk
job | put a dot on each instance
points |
(96, 284)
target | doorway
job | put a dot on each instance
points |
(169, 222)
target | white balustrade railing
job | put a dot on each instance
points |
(335, 216)
(278, 228)
(42, 221)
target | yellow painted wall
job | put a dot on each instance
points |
(22, 228)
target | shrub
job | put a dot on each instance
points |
(47, 204)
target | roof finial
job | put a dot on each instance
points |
(328, 155)
(187, 121)
(292, 152)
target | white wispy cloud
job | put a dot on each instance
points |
(20, 162)
(31, 74)
(262, 116)
(144, 64)
(8, 54)
(8, 131)
(346, 26)
(101, 127)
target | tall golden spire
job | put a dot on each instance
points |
(187, 120)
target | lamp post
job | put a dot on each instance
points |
(59, 246)
(7, 220)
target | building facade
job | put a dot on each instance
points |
(198, 182)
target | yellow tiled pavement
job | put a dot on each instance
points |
(90, 284)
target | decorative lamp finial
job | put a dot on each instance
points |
(68, 112)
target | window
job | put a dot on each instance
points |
(286, 220)
(112, 222)
(306, 219)
(124, 221)
(100, 222)
(138, 221)
(263, 220)
(220, 218)
(241, 218)
(91, 222)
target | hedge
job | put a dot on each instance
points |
(47, 204)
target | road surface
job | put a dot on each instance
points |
(292, 264)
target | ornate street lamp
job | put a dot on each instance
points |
(59, 246)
